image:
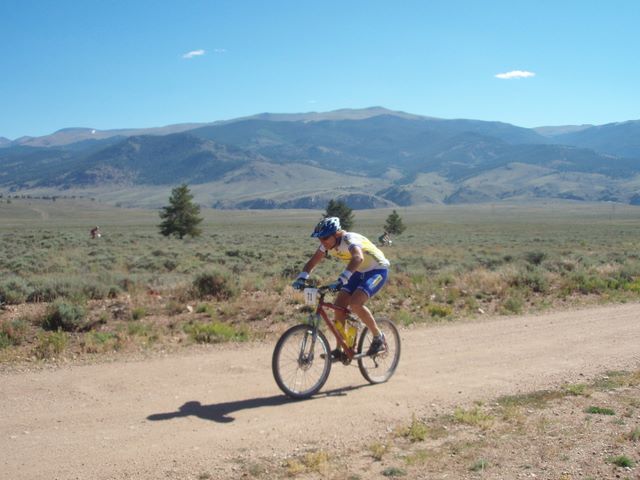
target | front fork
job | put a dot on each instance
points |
(305, 357)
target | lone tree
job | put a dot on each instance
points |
(337, 208)
(394, 224)
(181, 217)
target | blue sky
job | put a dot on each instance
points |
(120, 64)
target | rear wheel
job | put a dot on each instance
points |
(301, 361)
(380, 367)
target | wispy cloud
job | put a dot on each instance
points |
(220, 50)
(515, 74)
(194, 53)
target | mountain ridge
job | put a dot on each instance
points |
(370, 157)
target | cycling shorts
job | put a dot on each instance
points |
(370, 282)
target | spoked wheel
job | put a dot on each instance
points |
(301, 361)
(380, 367)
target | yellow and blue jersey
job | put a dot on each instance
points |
(373, 256)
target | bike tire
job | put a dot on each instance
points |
(297, 365)
(380, 368)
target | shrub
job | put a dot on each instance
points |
(394, 472)
(576, 390)
(621, 461)
(440, 311)
(14, 290)
(480, 466)
(512, 305)
(585, 284)
(215, 332)
(215, 284)
(138, 312)
(474, 417)
(600, 411)
(50, 344)
(13, 332)
(417, 431)
(97, 342)
(48, 290)
(533, 280)
(65, 316)
(378, 450)
(95, 290)
(535, 258)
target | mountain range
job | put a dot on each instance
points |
(370, 158)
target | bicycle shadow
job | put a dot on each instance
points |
(220, 412)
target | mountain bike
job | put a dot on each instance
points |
(302, 358)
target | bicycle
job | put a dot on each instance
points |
(302, 359)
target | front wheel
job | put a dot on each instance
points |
(380, 367)
(301, 361)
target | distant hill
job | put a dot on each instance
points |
(68, 136)
(621, 139)
(559, 130)
(370, 157)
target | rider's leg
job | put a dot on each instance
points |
(358, 307)
(343, 299)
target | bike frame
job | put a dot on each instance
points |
(320, 310)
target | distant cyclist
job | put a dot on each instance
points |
(364, 275)
(385, 239)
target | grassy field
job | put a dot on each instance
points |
(65, 294)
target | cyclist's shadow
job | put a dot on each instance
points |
(220, 412)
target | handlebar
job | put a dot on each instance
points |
(321, 289)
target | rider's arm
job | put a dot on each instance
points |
(357, 257)
(313, 261)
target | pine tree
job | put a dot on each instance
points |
(394, 224)
(181, 217)
(337, 208)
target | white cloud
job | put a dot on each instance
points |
(193, 53)
(515, 74)
(220, 50)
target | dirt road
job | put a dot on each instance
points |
(178, 416)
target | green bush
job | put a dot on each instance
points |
(50, 344)
(533, 280)
(440, 311)
(621, 461)
(215, 284)
(600, 411)
(49, 289)
(535, 258)
(216, 332)
(95, 290)
(13, 331)
(4, 340)
(512, 305)
(138, 312)
(13, 290)
(62, 315)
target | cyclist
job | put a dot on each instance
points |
(364, 275)
(384, 239)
